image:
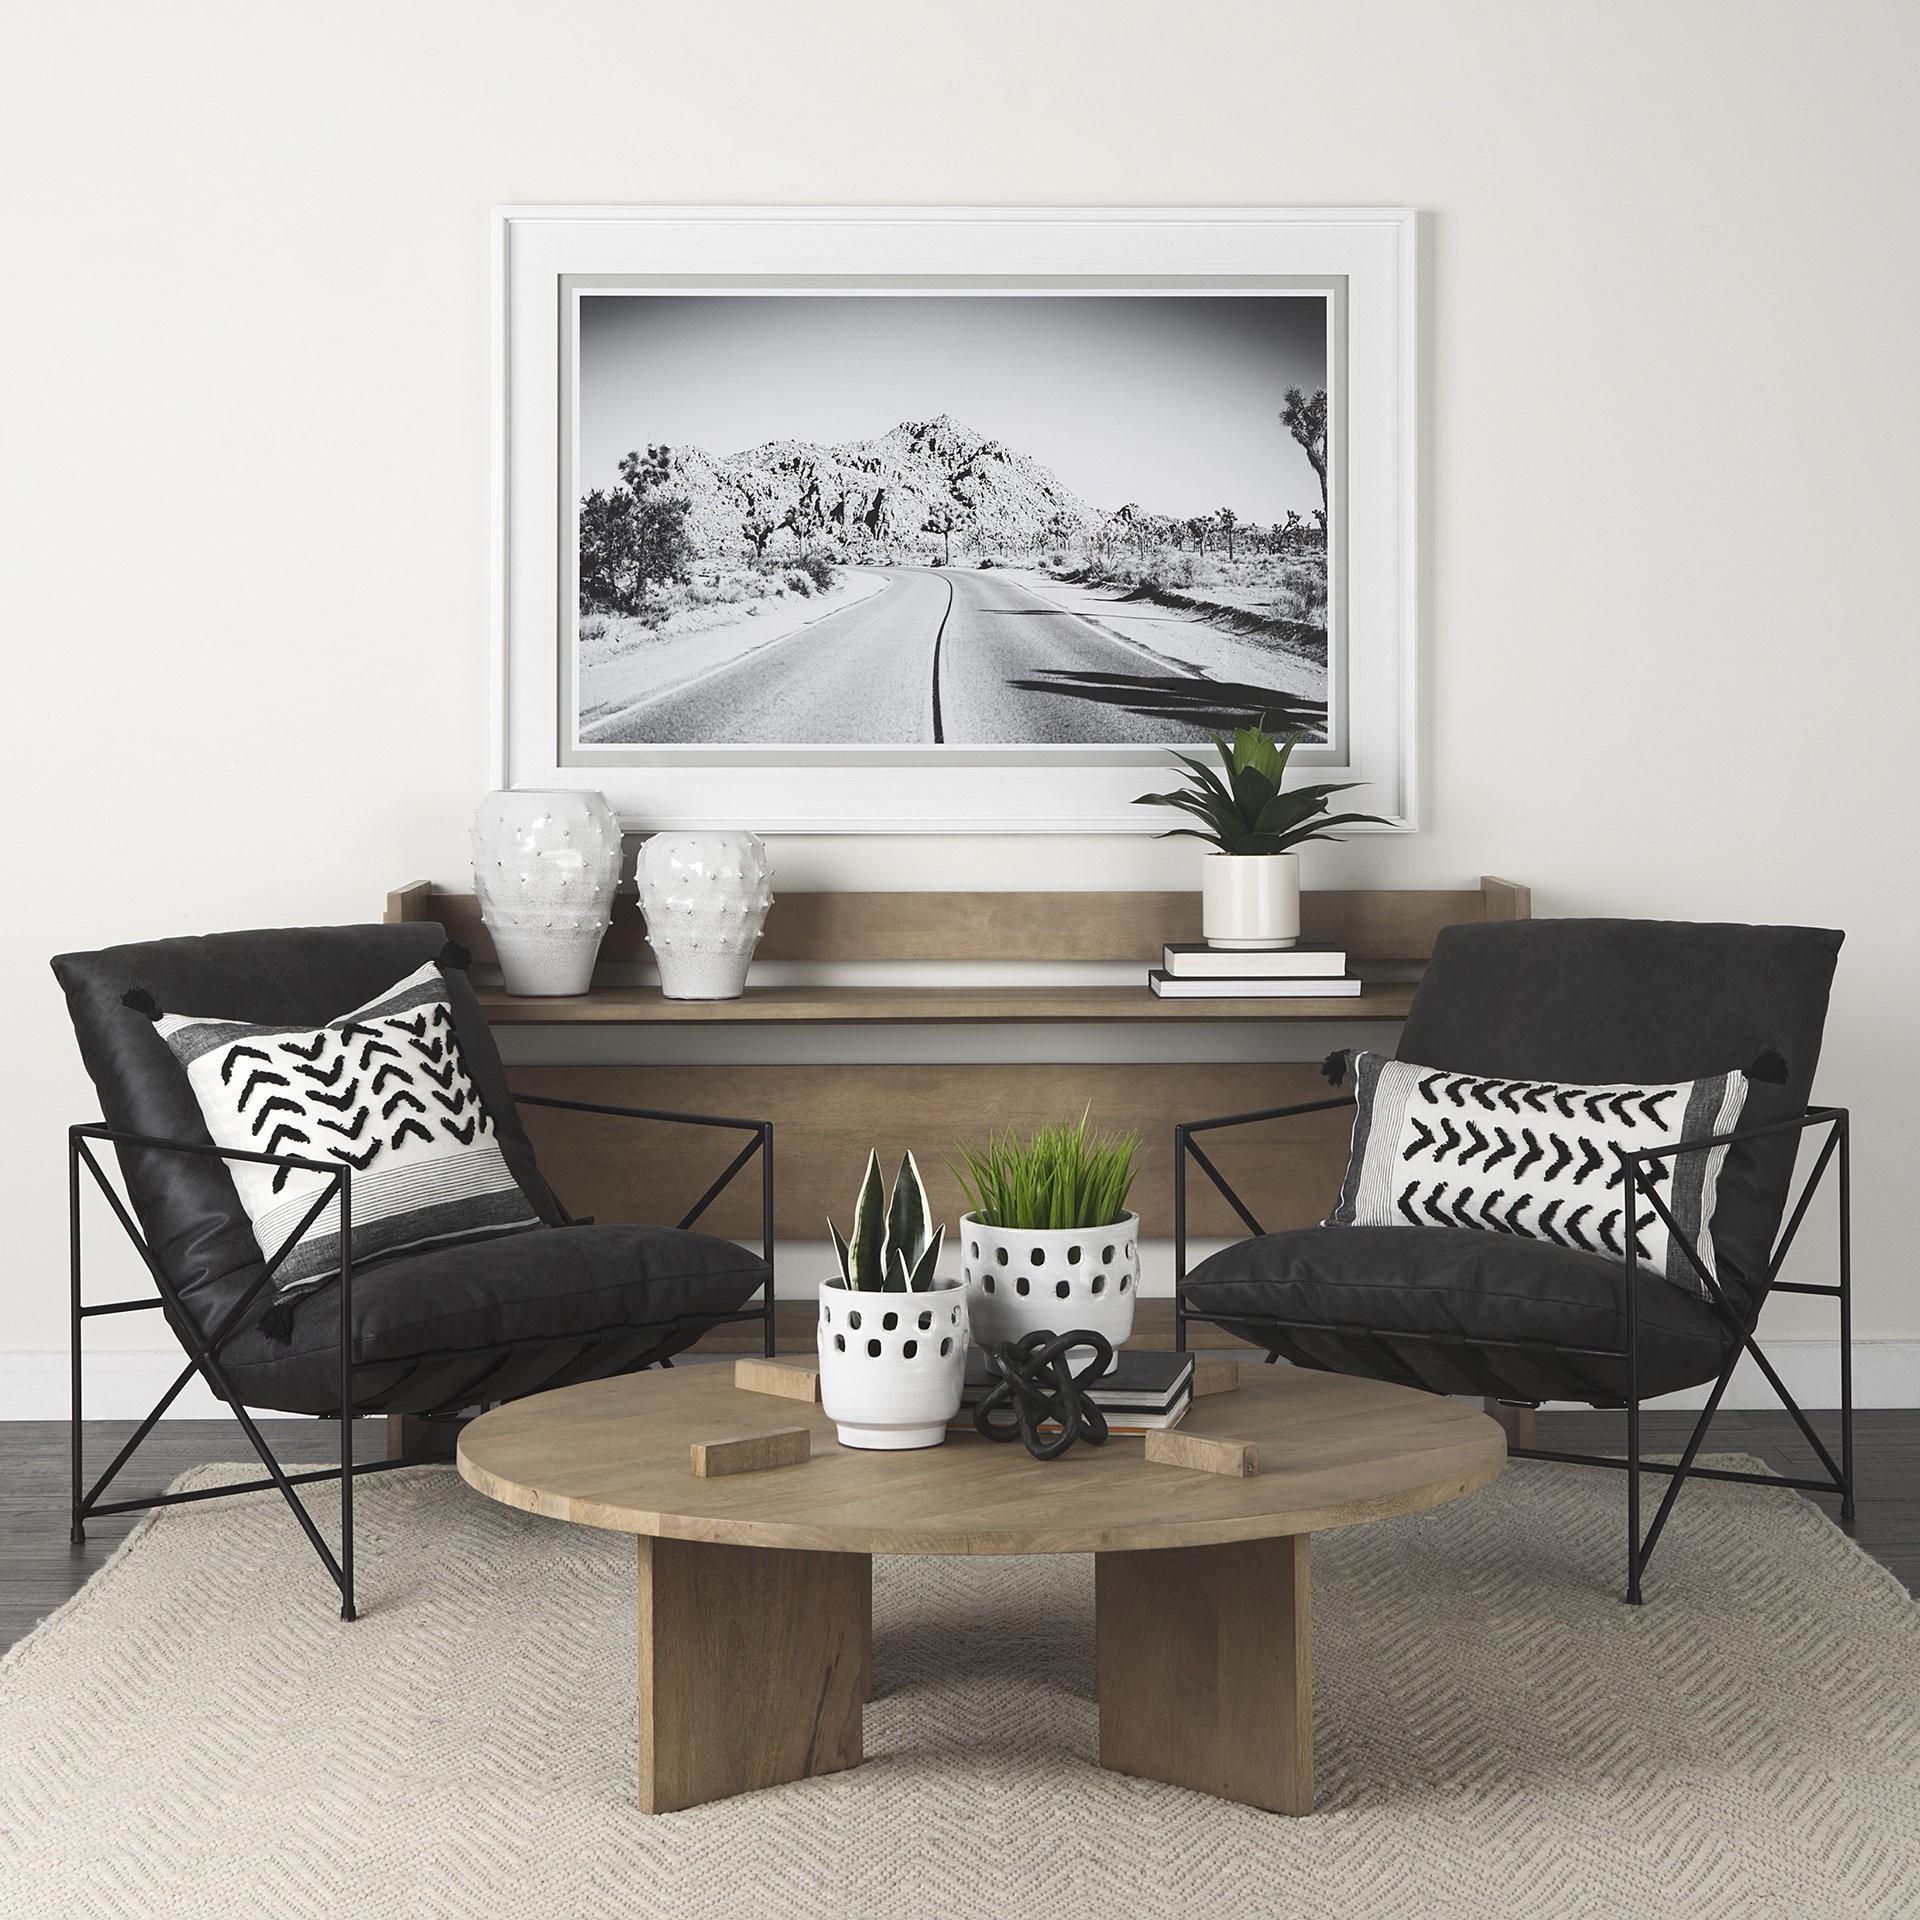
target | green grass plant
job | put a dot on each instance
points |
(1063, 1176)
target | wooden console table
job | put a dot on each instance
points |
(827, 1115)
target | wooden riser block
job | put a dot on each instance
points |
(787, 1379)
(1215, 1376)
(751, 1452)
(1201, 1453)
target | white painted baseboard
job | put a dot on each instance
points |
(123, 1385)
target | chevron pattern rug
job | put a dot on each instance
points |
(197, 1734)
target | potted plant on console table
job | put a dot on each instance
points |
(1049, 1243)
(1250, 883)
(892, 1337)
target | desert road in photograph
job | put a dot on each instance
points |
(965, 656)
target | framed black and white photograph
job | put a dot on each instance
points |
(899, 520)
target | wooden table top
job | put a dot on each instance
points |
(1333, 1452)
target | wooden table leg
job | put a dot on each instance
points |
(1203, 1657)
(754, 1666)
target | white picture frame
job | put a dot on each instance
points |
(542, 254)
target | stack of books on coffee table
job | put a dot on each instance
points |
(1195, 971)
(1145, 1392)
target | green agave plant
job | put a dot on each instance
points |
(1246, 812)
(894, 1247)
(1063, 1177)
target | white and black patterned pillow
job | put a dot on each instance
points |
(382, 1089)
(1535, 1158)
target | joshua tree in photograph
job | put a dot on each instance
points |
(757, 527)
(633, 538)
(804, 520)
(942, 521)
(1226, 520)
(1305, 417)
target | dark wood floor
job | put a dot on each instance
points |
(38, 1569)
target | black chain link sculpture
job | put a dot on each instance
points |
(1033, 1385)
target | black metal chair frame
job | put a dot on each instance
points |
(1640, 1184)
(203, 1351)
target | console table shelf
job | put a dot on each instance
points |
(827, 1116)
(922, 1006)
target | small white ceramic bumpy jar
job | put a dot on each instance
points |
(1023, 1280)
(545, 865)
(705, 897)
(892, 1364)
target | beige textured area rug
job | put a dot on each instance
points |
(198, 1734)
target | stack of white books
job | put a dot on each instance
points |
(1307, 971)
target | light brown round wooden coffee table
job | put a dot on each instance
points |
(756, 1595)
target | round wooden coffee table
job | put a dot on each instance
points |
(756, 1594)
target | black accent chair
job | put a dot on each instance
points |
(420, 1334)
(1464, 1312)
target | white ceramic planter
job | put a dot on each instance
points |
(892, 1364)
(1021, 1281)
(705, 897)
(1250, 902)
(545, 865)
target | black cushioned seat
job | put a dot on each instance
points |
(1527, 1309)
(499, 1319)
(436, 1331)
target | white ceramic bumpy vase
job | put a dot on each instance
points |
(545, 865)
(705, 897)
(1250, 902)
(892, 1364)
(1023, 1280)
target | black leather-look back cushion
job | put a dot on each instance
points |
(291, 976)
(1643, 1001)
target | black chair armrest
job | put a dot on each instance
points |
(339, 1178)
(643, 1113)
(1265, 1113)
(1813, 1117)
(1641, 1186)
(1185, 1147)
(761, 1143)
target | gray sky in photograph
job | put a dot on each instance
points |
(1170, 401)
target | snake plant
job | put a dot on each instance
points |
(895, 1246)
(1246, 812)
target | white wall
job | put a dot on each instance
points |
(1672, 408)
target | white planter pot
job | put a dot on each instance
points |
(545, 865)
(705, 897)
(1250, 901)
(1056, 1279)
(892, 1364)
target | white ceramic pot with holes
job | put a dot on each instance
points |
(1062, 1279)
(892, 1364)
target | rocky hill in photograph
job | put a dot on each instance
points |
(924, 483)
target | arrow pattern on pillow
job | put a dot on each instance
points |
(1527, 1157)
(416, 1092)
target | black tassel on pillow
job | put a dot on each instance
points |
(277, 1322)
(1333, 1069)
(142, 1002)
(454, 955)
(1769, 1067)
